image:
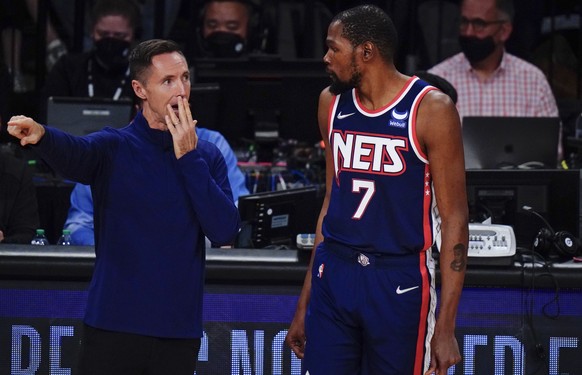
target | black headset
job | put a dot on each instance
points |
(547, 242)
(562, 243)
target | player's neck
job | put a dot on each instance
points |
(377, 90)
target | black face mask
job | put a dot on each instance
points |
(476, 49)
(223, 44)
(111, 54)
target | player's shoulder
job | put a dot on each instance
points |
(326, 96)
(437, 106)
(437, 98)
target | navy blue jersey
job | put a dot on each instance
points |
(382, 197)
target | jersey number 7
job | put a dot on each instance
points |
(369, 187)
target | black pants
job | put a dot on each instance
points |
(114, 353)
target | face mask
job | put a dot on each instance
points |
(223, 44)
(112, 53)
(476, 49)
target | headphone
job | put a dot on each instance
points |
(563, 243)
(547, 242)
(254, 36)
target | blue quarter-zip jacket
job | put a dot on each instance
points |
(152, 212)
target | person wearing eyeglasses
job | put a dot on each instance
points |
(489, 80)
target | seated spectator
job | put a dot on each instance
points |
(80, 217)
(225, 29)
(489, 81)
(103, 71)
(18, 206)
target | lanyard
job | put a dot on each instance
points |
(90, 88)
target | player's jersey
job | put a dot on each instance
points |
(382, 197)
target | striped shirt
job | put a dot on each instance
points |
(516, 89)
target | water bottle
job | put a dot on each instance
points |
(65, 239)
(39, 238)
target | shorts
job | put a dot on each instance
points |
(369, 314)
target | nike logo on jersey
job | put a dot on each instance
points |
(402, 291)
(341, 117)
(368, 153)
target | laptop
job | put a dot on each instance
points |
(511, 142)
(82, 115)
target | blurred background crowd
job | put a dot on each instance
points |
(35, 34)
(78, 48)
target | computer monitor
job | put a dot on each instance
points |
(511, 142)
(501, 194)
(276, 218)
(262, 101)
(82, 115)
(205, 103)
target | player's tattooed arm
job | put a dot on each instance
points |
(459, 262)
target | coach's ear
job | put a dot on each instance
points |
(138, 89)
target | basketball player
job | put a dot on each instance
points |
(395, 184)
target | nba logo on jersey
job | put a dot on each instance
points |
(397, 119)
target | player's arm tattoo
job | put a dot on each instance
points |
(460, 258)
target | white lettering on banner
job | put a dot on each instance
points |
(249, 348)
(368, 153)
(469, 345)
(241, 354)
(19, 333)
(203, 352)
(502, 344)
(57, 333)
(277, 350)
(555, 344)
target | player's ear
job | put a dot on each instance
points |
(368, 50)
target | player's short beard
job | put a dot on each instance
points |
(337, 86)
